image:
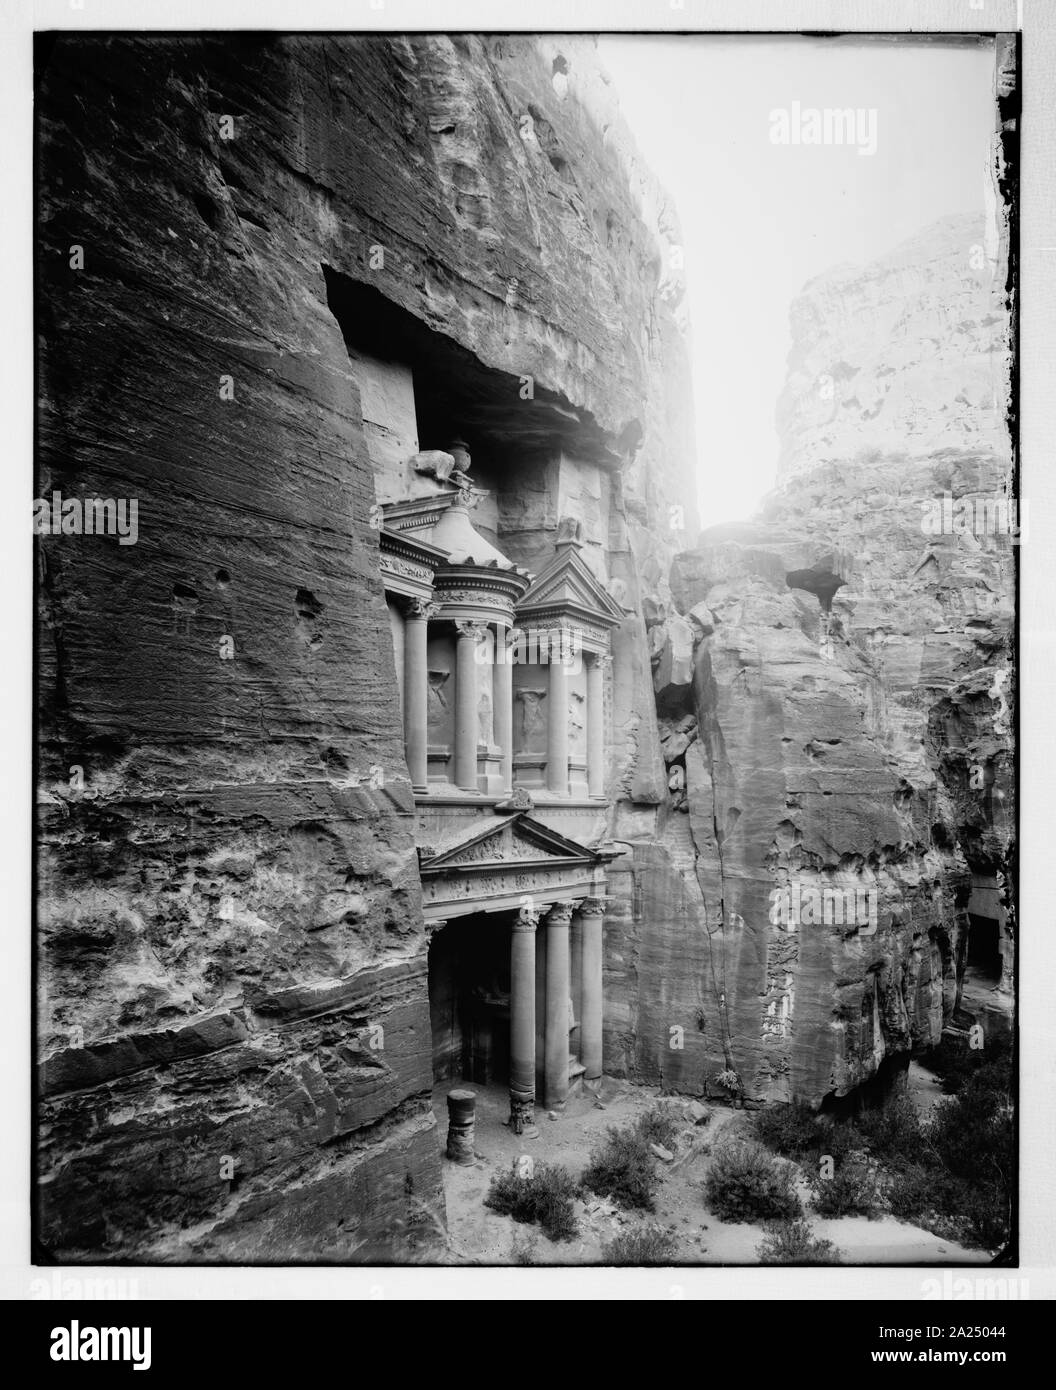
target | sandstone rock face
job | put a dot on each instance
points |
(851, 695)
(233, 1020)
(907, 357)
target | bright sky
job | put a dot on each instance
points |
(760, 219)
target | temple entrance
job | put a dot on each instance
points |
(469, 1000)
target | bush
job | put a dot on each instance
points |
(792, 1243)
(987, 1216)
(745, 1183)
(650, 1245)
(621, 1167)
(957, 1063)
(915, 1191)
(971, 1136)
(934, 1197)
(788, 1129)
(851, 1191)
(544, 1199)
(659, 1125)
(964, 1171)
(839, 1139)
(892, 1133)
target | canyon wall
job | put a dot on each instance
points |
(232, 998)
(835, 686)
(233, 1024)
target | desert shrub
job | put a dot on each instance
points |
(621, 1167)
(957, 1063)
(649, 1245)
(839, 1139)
(987, 1214)
(659, 1125)
(971, 1140)
(892, 1133)
(729, 1080)
(793, 1243)
(544, 1199)
(851, 1191)
(938, 1199)
(971, 1136)
(745, 1183)
(788, 1129)
(916, 1190)
(964, 1170)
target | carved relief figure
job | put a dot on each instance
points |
(577, 722)
(532, 720)
(484, 719)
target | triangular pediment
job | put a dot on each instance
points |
(514, 839)
(568, 584)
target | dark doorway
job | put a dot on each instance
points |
(469, 1000)
(984, 948)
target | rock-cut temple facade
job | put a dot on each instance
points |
(416, 741)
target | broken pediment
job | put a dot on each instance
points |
(567, 589)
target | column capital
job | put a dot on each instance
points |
(422, 608)
(474, 632)
(560, 915)
(601, 660)
(527, 919)
(591, 907)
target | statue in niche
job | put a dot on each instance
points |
(437, 695)
(576, 721)
(484, 721)
(532, 720)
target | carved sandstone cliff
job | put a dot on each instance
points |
(234, 1031)
(837, 687)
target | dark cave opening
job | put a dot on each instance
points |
(823, 578)
(456, 394)
(984, 948)
(819, 580)
(872, 1094)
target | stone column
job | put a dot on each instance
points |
(591, 914)
(522, 1022)
(461, 1126)
(596, 726)
(557, 987)
(503, 711)
(557, 726)
(416, 692)
(466, 720)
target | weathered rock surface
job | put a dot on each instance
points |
(905, 357)
(851, 695)
(234, 1026)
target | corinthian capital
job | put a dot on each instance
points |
(591, 907)
(422, 608)
(559, 915)
(476, 632)
(527, 919)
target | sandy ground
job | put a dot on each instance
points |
(478, 1235)
(925, 1089)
